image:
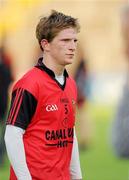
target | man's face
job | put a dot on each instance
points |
(62, 47)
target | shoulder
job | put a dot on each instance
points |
(29, 81)
(71, 81)
(72, 86)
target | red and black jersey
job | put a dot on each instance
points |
(46, 110)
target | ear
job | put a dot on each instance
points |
(45, 45)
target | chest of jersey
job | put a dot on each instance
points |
(56, 108)
(55, 112)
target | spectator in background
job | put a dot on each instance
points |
(79, 70)
(120, 130)
(5, 80)
(84, 126)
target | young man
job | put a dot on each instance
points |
(40, 139)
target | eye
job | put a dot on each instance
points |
(75, 40)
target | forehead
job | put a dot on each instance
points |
(67, 33)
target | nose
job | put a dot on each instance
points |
(72, 46)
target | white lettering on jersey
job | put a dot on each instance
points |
(51, 107)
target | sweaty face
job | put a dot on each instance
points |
(63, 46)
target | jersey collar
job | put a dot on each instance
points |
(40, 65)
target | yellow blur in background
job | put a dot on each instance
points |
(100, 30)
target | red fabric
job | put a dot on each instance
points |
(48, 140)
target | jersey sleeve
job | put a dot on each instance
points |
(22, 108)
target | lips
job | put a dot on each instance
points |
(70, 54)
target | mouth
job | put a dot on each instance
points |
(71, 55)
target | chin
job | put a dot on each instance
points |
(69, 61)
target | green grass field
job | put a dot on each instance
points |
(98, 162)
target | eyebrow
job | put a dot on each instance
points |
(65, 39)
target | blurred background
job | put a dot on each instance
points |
(100, 70)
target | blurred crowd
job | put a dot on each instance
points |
(5, 81)
(120, 130)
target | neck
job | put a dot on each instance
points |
(53, 65)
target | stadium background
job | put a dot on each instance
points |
(103, 49)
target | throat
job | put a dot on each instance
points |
(52, 64)
(60, 78)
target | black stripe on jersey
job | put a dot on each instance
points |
(14, 103)
(22, 108)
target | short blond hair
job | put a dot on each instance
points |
(49, 26)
